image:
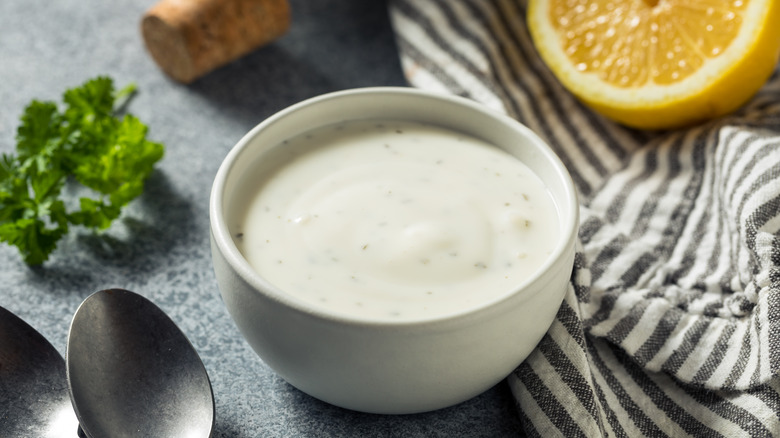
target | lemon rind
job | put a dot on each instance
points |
(724, 84)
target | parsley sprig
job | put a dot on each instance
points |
(89, 144)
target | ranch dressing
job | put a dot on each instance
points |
(397, 220)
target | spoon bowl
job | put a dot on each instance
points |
(32, 376)
(133, 373)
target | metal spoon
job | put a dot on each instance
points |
(34, 400)
(133, 373)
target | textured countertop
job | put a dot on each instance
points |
(160, 246)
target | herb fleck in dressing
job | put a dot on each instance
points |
(397, 220)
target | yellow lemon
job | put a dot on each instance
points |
(658, 63)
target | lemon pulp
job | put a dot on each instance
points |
(658, 63)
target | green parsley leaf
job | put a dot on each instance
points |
(86, 144)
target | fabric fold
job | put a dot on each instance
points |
(671, 325)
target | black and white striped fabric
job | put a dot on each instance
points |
(671, 326)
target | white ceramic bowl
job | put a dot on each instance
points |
(391, 367)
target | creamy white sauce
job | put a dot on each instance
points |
(396, 220)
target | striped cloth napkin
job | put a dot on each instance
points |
(671, 325)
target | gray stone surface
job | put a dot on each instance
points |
(159, 248)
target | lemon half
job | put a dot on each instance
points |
(658, 64)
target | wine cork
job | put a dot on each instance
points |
(189, 38)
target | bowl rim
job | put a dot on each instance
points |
(229, 251)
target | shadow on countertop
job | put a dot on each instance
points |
(331, 45)
(448, 422)
(149, 229)
(161, 221)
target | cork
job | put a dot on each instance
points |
(189, 38)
